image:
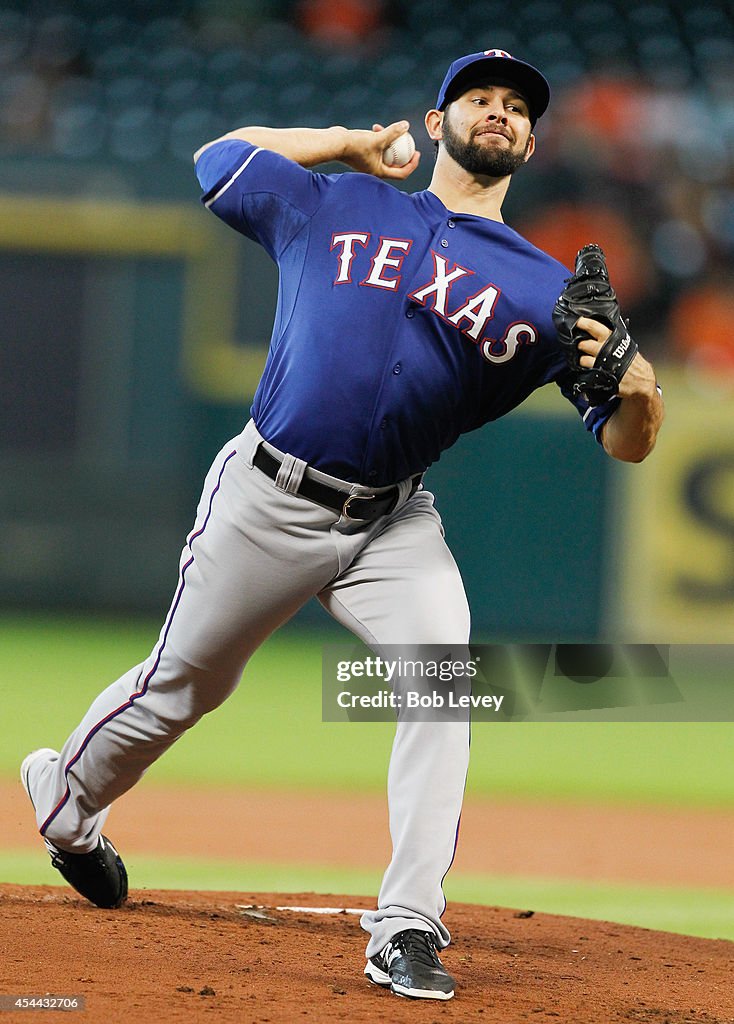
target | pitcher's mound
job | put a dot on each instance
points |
(246, 958)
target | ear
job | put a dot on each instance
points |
(434, 122)
(531, 148)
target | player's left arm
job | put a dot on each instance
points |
(631, 431)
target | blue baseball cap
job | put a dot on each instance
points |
(500, 67)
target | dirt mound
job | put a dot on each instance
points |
(241, 957)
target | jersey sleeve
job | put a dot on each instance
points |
(259, 193)
(594, 416)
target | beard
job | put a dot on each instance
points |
(478, 159)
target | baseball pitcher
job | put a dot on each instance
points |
(403, 321)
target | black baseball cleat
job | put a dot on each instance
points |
(100, 875)
(409, 966)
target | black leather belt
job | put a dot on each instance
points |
(362, 507)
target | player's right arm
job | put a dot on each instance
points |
(359, 149)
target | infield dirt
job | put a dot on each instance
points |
(171, 956)
(185, 956)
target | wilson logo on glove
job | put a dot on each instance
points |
(588, 293)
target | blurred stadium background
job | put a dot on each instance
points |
(134, 327)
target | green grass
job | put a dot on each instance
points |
(270, 733)
(190, 873)
(704, 912)
(708, 913)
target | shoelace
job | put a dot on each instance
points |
(59, 857)
(419, 946)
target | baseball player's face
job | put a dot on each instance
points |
(487, 131)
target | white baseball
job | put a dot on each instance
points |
(399, 152)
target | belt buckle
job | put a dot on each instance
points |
(354, 497)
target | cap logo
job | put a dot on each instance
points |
(498, 53)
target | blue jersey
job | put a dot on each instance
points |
(400, 325)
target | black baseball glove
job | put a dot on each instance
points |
(589, 293)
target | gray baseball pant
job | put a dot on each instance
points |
(256, 554)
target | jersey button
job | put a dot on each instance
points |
(397, 368)
(451, 223)
(410, 313)
(383, 424)
(444, 243)
(372, 474)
